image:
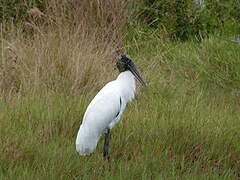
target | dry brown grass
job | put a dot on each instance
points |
(64, 48)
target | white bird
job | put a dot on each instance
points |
(106, 108)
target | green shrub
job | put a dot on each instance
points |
(17, 9)
(183, 18)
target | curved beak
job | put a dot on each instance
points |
(135, 72)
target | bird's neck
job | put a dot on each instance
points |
(127, 84)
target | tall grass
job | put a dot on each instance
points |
(184, 126)
(57, 49)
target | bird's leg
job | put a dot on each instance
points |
(106, 144)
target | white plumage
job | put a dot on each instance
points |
(104, 111)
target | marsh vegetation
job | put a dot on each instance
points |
(56, 55)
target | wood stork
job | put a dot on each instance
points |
(106, 108)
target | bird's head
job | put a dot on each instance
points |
(124, 63)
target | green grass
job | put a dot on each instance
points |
(184, 126)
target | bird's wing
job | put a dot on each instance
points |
(103, 112)
(103, 109)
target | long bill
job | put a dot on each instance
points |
(135, 72)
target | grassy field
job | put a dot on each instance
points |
(184, 126)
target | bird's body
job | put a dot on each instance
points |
(105, 111)
(106, 108)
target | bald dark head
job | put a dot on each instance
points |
(124, 63)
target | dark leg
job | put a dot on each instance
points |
(106, 144)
